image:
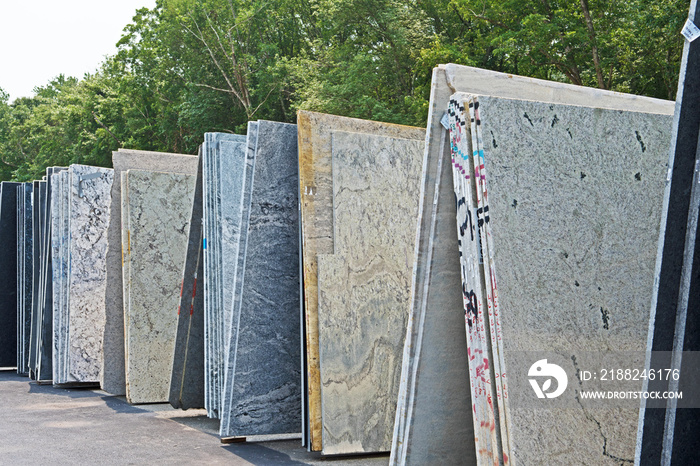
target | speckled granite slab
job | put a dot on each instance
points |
(223, 168)
(160, 208)
(8, 274)
(591, 258)
(58, 272)
(434, 413)
(187, 379)
(90, 200)
(113, 370)
(35, 350)
(262, 393)
(364, 288)
(316, 204)
(61, 322)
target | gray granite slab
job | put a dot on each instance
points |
(364, 288)
(28, 288)
(90, 199)
(8, 274)
(223, 168)
(262, 393)
(113, 370)
(434, 364)
(574, 260)
(187, 379)
(160, 209)
(61, 322)
(35, 353)
(57, 279)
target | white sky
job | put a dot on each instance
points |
(40, 39)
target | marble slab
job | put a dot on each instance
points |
(113, 369)
(262, 393)
(434, 364)
(160, 209)
(8, 274)
(187, 379)
(316, 204)
(223, 167)
(364, 288)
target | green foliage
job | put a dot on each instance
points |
(192, 66)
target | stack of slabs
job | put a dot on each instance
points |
(8, 274)
(113, 368)
(556, 253)
(222, 170)
(262, 387)
(156, 211)
(82, 200)
(24, 275)
(187, 378)
(359, 201)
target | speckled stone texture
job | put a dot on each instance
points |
(364, 288)
(434, 415)
(113, 370)
(574, 251)
(262, 393)
(223, 171)
(187, 379)
(316, 204)
(90, 198)
(61, 311)
(160, 208)
(24, 270)
(8, 274)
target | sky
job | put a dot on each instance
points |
(41, 39)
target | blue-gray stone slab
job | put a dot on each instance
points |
(263, 373)
(25, 270)
(8, 274)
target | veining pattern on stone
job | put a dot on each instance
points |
(364, 288)
(262, 393)
(89, 202)
(316, 204)
(160, 207)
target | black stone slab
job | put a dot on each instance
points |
(25, 311)
(8, 274)
(36, 251)
(187, 382)
(668, 435)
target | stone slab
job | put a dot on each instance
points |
(8, 274)
(90, 199)
(187, 380)
(262, 393)
(434, 347)
(574, 259)
(24, 275)
(113, 370)
(223, 168)
(364, 288)
(316, 205)
(160, 209)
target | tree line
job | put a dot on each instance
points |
(192, 66)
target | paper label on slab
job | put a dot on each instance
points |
(690, 31)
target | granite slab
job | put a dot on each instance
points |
(600, 177)
(316, 205)
(61, 321)
(160, 209)
(22, 280)
(187, 379)
(35, 354)
(8, 274)
(113, 369)
(434, 364)
(364, 288)
(262, 393)
(28, 270)
(223, 168)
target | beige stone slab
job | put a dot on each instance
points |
(364, 288)
(315, 185)
(160, 206)
(113, 370)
